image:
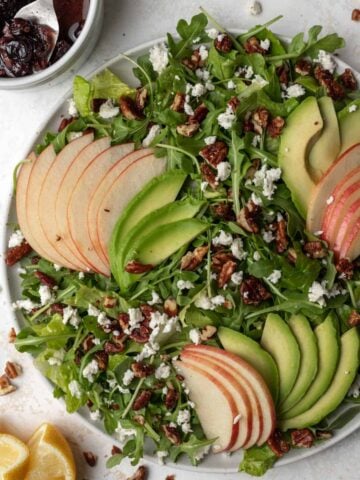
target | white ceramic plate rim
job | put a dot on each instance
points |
(294, 455)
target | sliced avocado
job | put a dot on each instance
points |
(169, 213)
(302, 126)
(328, 355)
(280, 342)
(158, 192)
(327, 147)
(349, 123)
(306, 339)
(344, 377)
(251, 351)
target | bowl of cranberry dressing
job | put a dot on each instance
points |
(25, 45)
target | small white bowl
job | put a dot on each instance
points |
(74, 57)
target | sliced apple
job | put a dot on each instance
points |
(123, 189)
(105, 182)
(215, 406)
(350, 246)
(246, 371)
(346, 163)
(80, 200)
(67, 186)
(249, 409)
(47, 199)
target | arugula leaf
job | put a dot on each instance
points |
(257, 461)
(189, 32)
(222, 66)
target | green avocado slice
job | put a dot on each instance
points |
(278, 340)
(349, 123)
(306, 339)
(251, 351)
(331, 399)
(328, 356)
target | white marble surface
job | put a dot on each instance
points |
(127, 24)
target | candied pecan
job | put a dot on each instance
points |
(249, 217)
(354, 319)
(277, 444)
(12, 335)
(199, 114)
(275, 126)
(178, 102)
(140, 98)
(283, 74)
(115, 406)
(142, 400)
(355, 15)
(292, 255)
(128, 108)
(12, 370)
(140, 419)
(315, 249)
(147, 311)
(208, 332)
(326, 79)
(188, 129)
(142, 370)
(191, 260)
(208, 175)
(223, 210)
(225, 273)
(111, 347)
(141, 334)
(110, 302)
(96, 104)
(140, 474)
(124, 320)
(281, 238)
(303, 67)
(252, 45)
(102, 359)
(214, 153)
(255, 165)
(345, 268)
(56, 308)
(170, 477)
(116, 450)
(233, 103)
(347, 78)
(253, 291)
(5, 386)
(172, 434)
(223, 43)
(219, 259)
(260, 119)
(90, 458)
(15, 254)
(170, 307)
(88, 343)
(171, 398)
(64, 123)
(45, 279)
(303, 438)
(137, 267)
(180, 378)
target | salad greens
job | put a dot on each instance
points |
(76, 335)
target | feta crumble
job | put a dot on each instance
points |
(256, 256)
(256, 140)
(135, 319)
(184, 285)
(154, 130)
(203, 52)
(27, 305)
(159, 57)
(57, 267)
(183, 420)
(16, 239)
(266, 178)
(237, 249)
(161, 454)
(210, 140)
(265, 44)
(246, 71)
(81, 275)
(212, 33)
(274, 277)
(198, 90)
(70, 315)
(155, 299)
(353, 108)
(254, 7)
(203, 186)
(330, 200)
(237, 278)
(128, 377)
(91, 370)
(268, 236)
(255, 199)
(195, 336)
(74, 135)
(294, 91)
(45, 294)
(227, 118)
(225, 239)
(223, 171)
(74, 389)
(231, 85)
(218, 300)
(354, 390)
(124, 434)
(108, 110)
(316, 294)
(95, 415)
(326, 61)
(57, 358)
(204, 302)
(72, 110)
(163, 371)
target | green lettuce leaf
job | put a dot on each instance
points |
(257, 461)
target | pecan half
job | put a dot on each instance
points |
(303, 438)
(275, 127)
(345, 268)
(111, 348)
(355, 15)
(208, 175)
(219, 259)
(326, 79)
(140, 419)
(142, 370)
(283, 74)
(170, 477)
(225, 273)
(90, 458)
(315, 249)
(191, 260)
(252, 45)
(15, 254)
(140, 474)
(170, 307)
(249, 217)
(45, 279)
(303, 67)
(88, 343)
(208, 332)
(260, 119)
(223, 210)
(277, 444)
(141, 98)
(116, 450)
(128, 109)
(102, 359)
(199, 114)
(188, 129)
(214, 153)
(5, 386)
(64, 123)
(292, 255)
(172, 434)
(233, 103)
(137, 267)
(255, 165)
(123, 320)
(171, 398)
(195, 61)
(253, 292)
(178, 102)
(147, 311)
(56, 308)
(12, 370)
(12, 335)
(323, 435)
(223, 43)
(110, 302)
(141, 334)
(142, 400)
(281, 238)
(354, 319)
(347, 78)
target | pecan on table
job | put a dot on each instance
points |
(277, 444)
(140, 474)
(355, 15)
(116, 450)
(5, 386)
(90, 458)
(12, 370)
(12, 335)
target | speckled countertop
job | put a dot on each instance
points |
(129, 23)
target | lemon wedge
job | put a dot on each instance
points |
(50, 456)
(14, 457)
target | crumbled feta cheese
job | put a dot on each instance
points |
(203, 52)
(318, 233)
(353, 108)
(196, 40)
(198, 90)
(259, 81)
(246, 71)
(155, 298)
(103, 321)
(93, 311)
(256, 140)
(154, 130)
(135, 319)
(57, 358)
(74, 135)
(212, 33)
(255, 199)
(108, 110)
(330, 200)
(316, 293)
(237, 249)
(97, 341)
(274, 277)
(203, 186)
(128, 377)
(204, 302)
(223, 171)
(227, 118)
(256, 256)
(225, 239)
(294, 91)
(159, 57)
(163, 371)
(326, 61)
(254, 7)
(266, 179)
(45, 294)
(95, 415)
(220, 37)
(124, 434)
(210, 140)
(231, 85)
(57, 267)
(161, 454)
(70, 315)
(265, 44)
(74, 389)
(183, 420)
(202, 74)
(237, 278)
(91, 370)
(165, 390)
(72, 110)
(21, 270)
(81, 275)
(354, 390)
(268, 236)
(16, 239)
(218, 300)
(202, 452)
(195, 336)
(184, 285)
(187, 107)
(27, 305)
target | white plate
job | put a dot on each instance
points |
(212, 463)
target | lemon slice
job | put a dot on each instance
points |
(50, 456)
(14, 457)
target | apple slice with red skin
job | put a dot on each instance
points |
(47, 198)
(350, 248)
(105, 182)
(215, 406)
(80, 200)
(123, 189)
(347, 231)
(250, 415)
(345, 164)
(256, 381)
(67, 186)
